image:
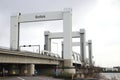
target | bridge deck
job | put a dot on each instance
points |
(27, 54)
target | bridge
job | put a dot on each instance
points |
(9, 56)
(14, 61)
(25, 63)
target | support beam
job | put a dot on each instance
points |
(24, 69)
(90, 52)
(14, 37)
(67, 31)
(44, 16)
(47, 45)
(31, 69)
(67, 41)
(28, 69)
(78, 43)
(82, 45)
(60, 35)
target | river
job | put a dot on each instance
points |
(111, 75)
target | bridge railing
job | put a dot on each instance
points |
(48, 53)
(78, 58)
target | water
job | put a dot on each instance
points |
(111, 75)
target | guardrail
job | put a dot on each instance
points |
(48, 53)
(30, 54)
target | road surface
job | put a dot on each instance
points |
(29, 78)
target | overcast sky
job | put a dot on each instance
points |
(100, 18)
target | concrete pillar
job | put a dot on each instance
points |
(67, 32)
(14, 69)
(31, 69)
(69, 64)
(14, 33)
(24, 69)
(47, 45)
(82, 45)
(90, 52)
(67, 41)
(27, 69)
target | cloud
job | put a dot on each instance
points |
(100, 18)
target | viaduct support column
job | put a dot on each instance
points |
(28, 69)
(31, 69)
(90, 52)
(82, 45)
(24, 69)
(67, 32)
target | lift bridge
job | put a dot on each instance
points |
(26, 63)
(16, 61)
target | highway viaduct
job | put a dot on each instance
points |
(15, 62)
(26, 63)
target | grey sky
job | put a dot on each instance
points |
(100, 18)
